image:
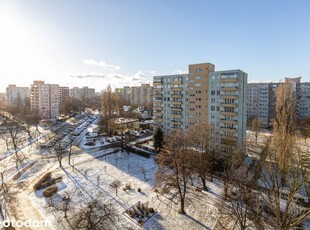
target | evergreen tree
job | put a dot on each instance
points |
(158, 139)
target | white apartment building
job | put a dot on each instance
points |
(45, 99)
(227, 107)
(16, 96)
(170, 101)
(82, 93)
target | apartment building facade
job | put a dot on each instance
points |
(198, 92)
(203, 96)
(124, 93)
(16, 96)
(261, 100)
(45, 99)
(83, 93)
(170, 101)
(63, 96)
(227, 108)
(141, 95)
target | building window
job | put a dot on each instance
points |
(198, 70)
(198, 77)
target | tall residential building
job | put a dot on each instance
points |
(170, 106)
(124, 93)
(142, 95)
(203, 96)
(45, 99)
(84, 93)
(198, 92)
(16, 96)
(227, 107)
(63, 96)
(303, 101)
(260, 102)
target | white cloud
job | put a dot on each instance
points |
(88, 75)
(180, 71)
(101, 64)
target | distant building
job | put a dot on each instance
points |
(16, 96)
(45, 99)
(170, 106)
(83, 94)
(63, 96)
(3, 100)
(124, 93)
(141, 95)
(261, 100)
(203, 96)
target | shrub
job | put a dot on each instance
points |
(151, 210)
(139, 190)
(45, 178)
(50, 191)
(128, 186)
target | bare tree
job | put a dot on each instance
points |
(304, 128)
(3, 169)
(66, 203)
(174, 165)
(115, 184)
(284, 126)
(283, 199)
(108, 106)
(59, 151)
(95, 216)
(255, 126)
(200, 136)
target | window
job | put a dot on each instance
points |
(198, 77)
(212, 92)
(198, 84)
(198, 70)
(212, 108)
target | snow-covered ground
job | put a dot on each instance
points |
(91, 178)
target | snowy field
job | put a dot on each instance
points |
(91, 178)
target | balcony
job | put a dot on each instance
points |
(176, 102)
(176, 95)
(157, 108)
(157, 82)
(157, 90)
(157, 114)
(234, 122)
(176, 122)
(228, 113)
(177, 89)
(232, 88)
(175, 116)
(228, 129)
(176, 109)
(176, 82)
(232, 105)
(229, 80)
(235, 97)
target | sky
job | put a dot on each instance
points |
(118, 42)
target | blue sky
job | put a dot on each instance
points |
(76, 43)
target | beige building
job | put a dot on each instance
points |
(198, 92)
(45, 99)
(141, 95)
(16, 96)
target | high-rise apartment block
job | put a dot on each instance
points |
(226, 107)
(63, 96)
(203, 96)
(16, 96)
(82, 93)
(261, 100)
(124, 93)
(198, 92)
(141, 95)
(45, 99)
(170, 107)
